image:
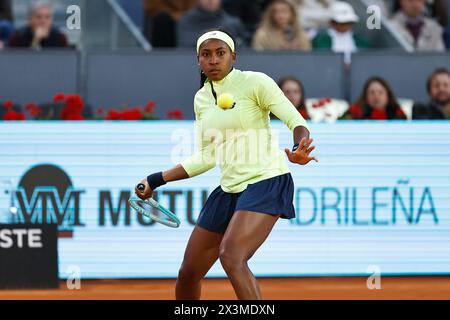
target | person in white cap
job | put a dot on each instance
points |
(340, 37)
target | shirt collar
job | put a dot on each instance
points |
(227, 78)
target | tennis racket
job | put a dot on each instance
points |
(146, 208)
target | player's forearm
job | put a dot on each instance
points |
(175, 174)
(299, 133)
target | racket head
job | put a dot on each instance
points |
(146, 207)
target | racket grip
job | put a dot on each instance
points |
(141, 187)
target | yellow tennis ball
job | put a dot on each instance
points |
(225, 101)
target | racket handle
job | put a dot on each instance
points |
(141, 187)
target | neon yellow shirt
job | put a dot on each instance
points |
(240, 139)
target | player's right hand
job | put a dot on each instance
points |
(147, 193)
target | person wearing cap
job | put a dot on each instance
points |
(256, 188)
(340, 36)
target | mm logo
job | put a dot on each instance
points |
(45, 195)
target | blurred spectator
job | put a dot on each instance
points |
(5, 10)
(161, 31)
(438, 87)
(377, 102)
(280, 30)
(436, 9)
(314, 14)
(293, 89)
(40, 32)
(207, 15)
(439, 11)
(423, 33)
(340, 37)
(249, 12)
(5, 22)
(161, 18)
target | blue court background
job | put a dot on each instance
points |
(378, 200)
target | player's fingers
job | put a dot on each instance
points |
(302, 143)
(308, 143)
(288, 152)
(309, 150)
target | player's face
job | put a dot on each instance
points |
(440, 88)
(293, 92)
(377, 95)
(216, 59)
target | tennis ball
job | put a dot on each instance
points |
(225, 101)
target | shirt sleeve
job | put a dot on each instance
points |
(270, 97)
(204, 159)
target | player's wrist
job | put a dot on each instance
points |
(295, 147)
(156, 180)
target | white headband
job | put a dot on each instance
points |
(219, 35)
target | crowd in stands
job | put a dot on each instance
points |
(378, 101)
(301, 25)
(294, 24)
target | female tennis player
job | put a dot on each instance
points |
(239, 214)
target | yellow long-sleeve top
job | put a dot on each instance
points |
(240, 139)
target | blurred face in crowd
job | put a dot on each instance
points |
(413, 8)
(42, 17)
(377, 95)
(440, 88)
(281, 15)
(342, 27)
(210, 5)
(216, 59)
(293, 92)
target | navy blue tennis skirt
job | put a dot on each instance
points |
(271, 196)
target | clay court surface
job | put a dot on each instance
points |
(272, 288)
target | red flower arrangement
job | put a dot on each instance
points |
(356, 111)
(176, 114)
(59, 97)
(69, 107)
(73, 107)
(8, 104)
(150, 106)
(10, 114)
(33, 110)
(304, 113)
(133, 114)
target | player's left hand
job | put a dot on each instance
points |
(301, 155)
